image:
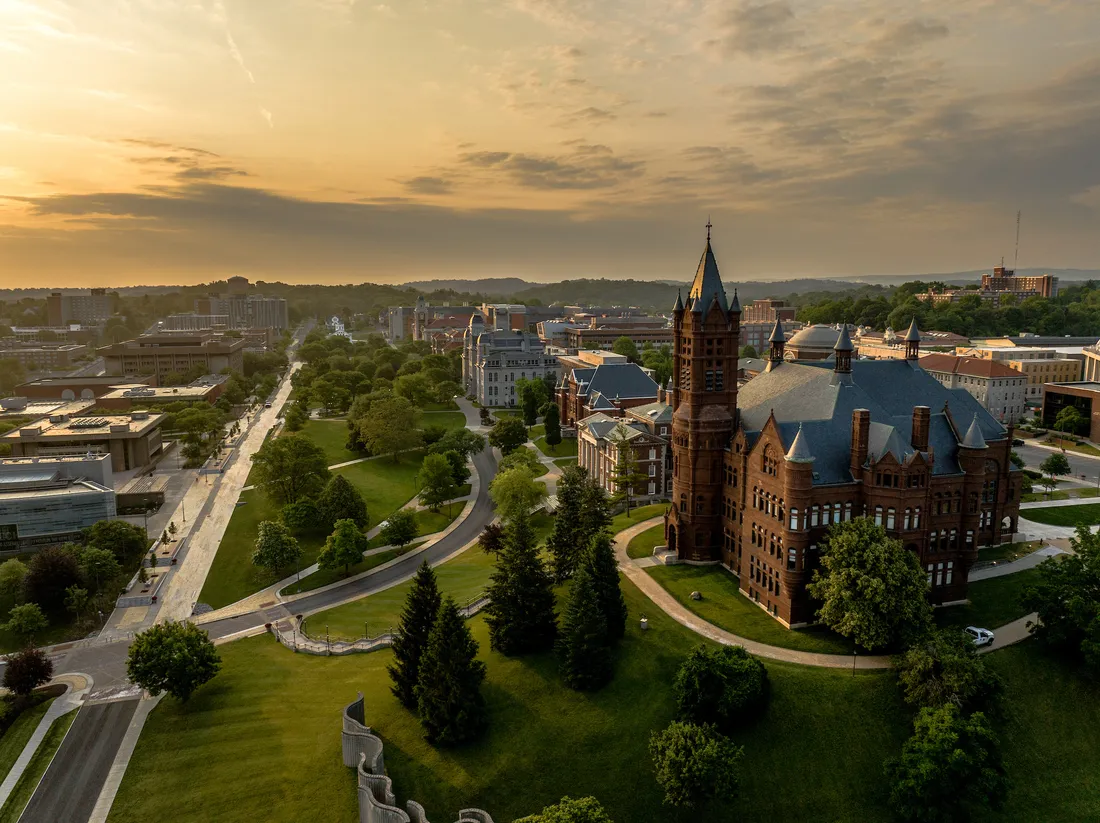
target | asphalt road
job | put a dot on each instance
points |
(465, 532)
(71, 785)
(1080, 464)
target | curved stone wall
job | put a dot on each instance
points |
(362, 749)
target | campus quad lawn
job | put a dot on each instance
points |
(566, 448)
(725, 607)
(330, 435)
(279, 713)
(643, 544)
(385, 485)
(636, 516)
(565, 462)
(1087, 515)
(993, 602)
(1008, 551)
(446, 419)
(18, 733)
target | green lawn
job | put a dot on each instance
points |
(449, 405)
(28, 781)
(725, 607)
(500, 414)
(280, 713)
(643, 544)
(1071, 445)
(18, 733)
(331, 435)
(565, 462)
(1008, 551)
(1087, 514)
(993, 602)
(446, 419)
(385, 485)
(637, 515)
(566, 448)
(322, 577)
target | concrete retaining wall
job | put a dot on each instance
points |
(363, 750)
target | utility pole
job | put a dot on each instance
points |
(1016, 259)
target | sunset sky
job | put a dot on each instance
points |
(177, 141)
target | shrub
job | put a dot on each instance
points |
(725, 686)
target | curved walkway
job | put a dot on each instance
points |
(1006, 635)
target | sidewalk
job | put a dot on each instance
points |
(1029, 561)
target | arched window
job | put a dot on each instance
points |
(836, 512)
(878, 515)
(848, 511)
(813, 516)
(916, 517)
(794, 519)
(907, 520)
(890, 514)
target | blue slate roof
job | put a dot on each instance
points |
(810, 394)
(622, 380)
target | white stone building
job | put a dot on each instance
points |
(492, 362)
(1002, 391)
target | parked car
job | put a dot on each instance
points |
(981, 637)
(1016, 441)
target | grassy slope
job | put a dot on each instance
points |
(993, 602)
(18, 733)
(447, 419)
(643, 544)
(637, 515)
(1087, 514)
(331, 435)
(385, 485)
(725, 606)
(280, 713)
(23, 790)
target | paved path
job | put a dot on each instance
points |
(670, 606)
(76, 686)
(1028, 561)
(1075, 501)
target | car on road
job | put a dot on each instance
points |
(981, 637)
(1016, 441)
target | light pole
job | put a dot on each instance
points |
(855, 654)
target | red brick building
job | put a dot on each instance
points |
(760, 474)
(609, 388)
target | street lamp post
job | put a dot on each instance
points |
(855, 654)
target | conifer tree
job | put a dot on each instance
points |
(600, 560)
(521, 614)
(452, 708)
(563, 543)
(595, 511)
(417, 619)
(583, 659)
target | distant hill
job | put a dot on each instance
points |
(963, 277)
(491, 286)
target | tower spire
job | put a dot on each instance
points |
(708, 228)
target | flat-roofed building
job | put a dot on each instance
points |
(174, 353)
(132, 440)
(77, 388)
(87, 309)
(998, 388)
(1082, 395)
(207, 389)
(42, 356)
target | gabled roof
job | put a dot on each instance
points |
(626, 381)
(707, 285)
(603, 426)
(656, 412)
(967, 366)
(806, 394)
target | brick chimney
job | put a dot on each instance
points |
(861, 432)
(922, 418)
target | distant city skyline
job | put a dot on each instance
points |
(338, 141)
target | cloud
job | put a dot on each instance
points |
(747, 27)
(588, 167)
(590, 115)
(427, 185)
(266, 115)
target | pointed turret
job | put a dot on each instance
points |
(912, 341)
(842, 351)
(799, 452)
(843, 340)
(707, 285)
(735, 306)
(679, 303)
(777, 335)
(973, 438)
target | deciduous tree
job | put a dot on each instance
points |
(436, 479)
(949, 767)
(417, 618)
(125, 540)
(12, 573)
(871, 588)
(275, 548)
(465, 442)
(27, 670)
(1056, 465)
(626, 347)
(945, 667)
(626, 472)
(694, 764)
(343, 547)
(400, 528)
(508, 434)
(515, 493)
(552, 423)
(172, 657)
(290, 468)
(448, 693)
(50, 572)
(570, 810)
(460, 471)
(725, 686)
(391, 427)
(340, 500)
(26, 620)
(303, 517)
(521, 614)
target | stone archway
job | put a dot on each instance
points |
(672, 538)
(68, 394)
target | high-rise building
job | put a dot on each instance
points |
(86, 309)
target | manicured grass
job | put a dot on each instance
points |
(464, 578)
(993, 602)
(643, 544)
(725, 607)
(1008, 551)
(637, 515)
(280, 713)
(566, 448)
(446, 419)
(331, 435)
(28, 781)
(322, 577)
(1048, 739)
(385, 485)
(1071, 445)
(500, 414)
(63, 627)
(564, 462)
(1068, 494)
(449, 405)
(1084, 515)
(18, 733)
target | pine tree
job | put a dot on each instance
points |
(595, 511)
(626, 472)
(452, 708)
(417, 619)
(600, 562)
(582, 645)
(521, 614)
(562, 543)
